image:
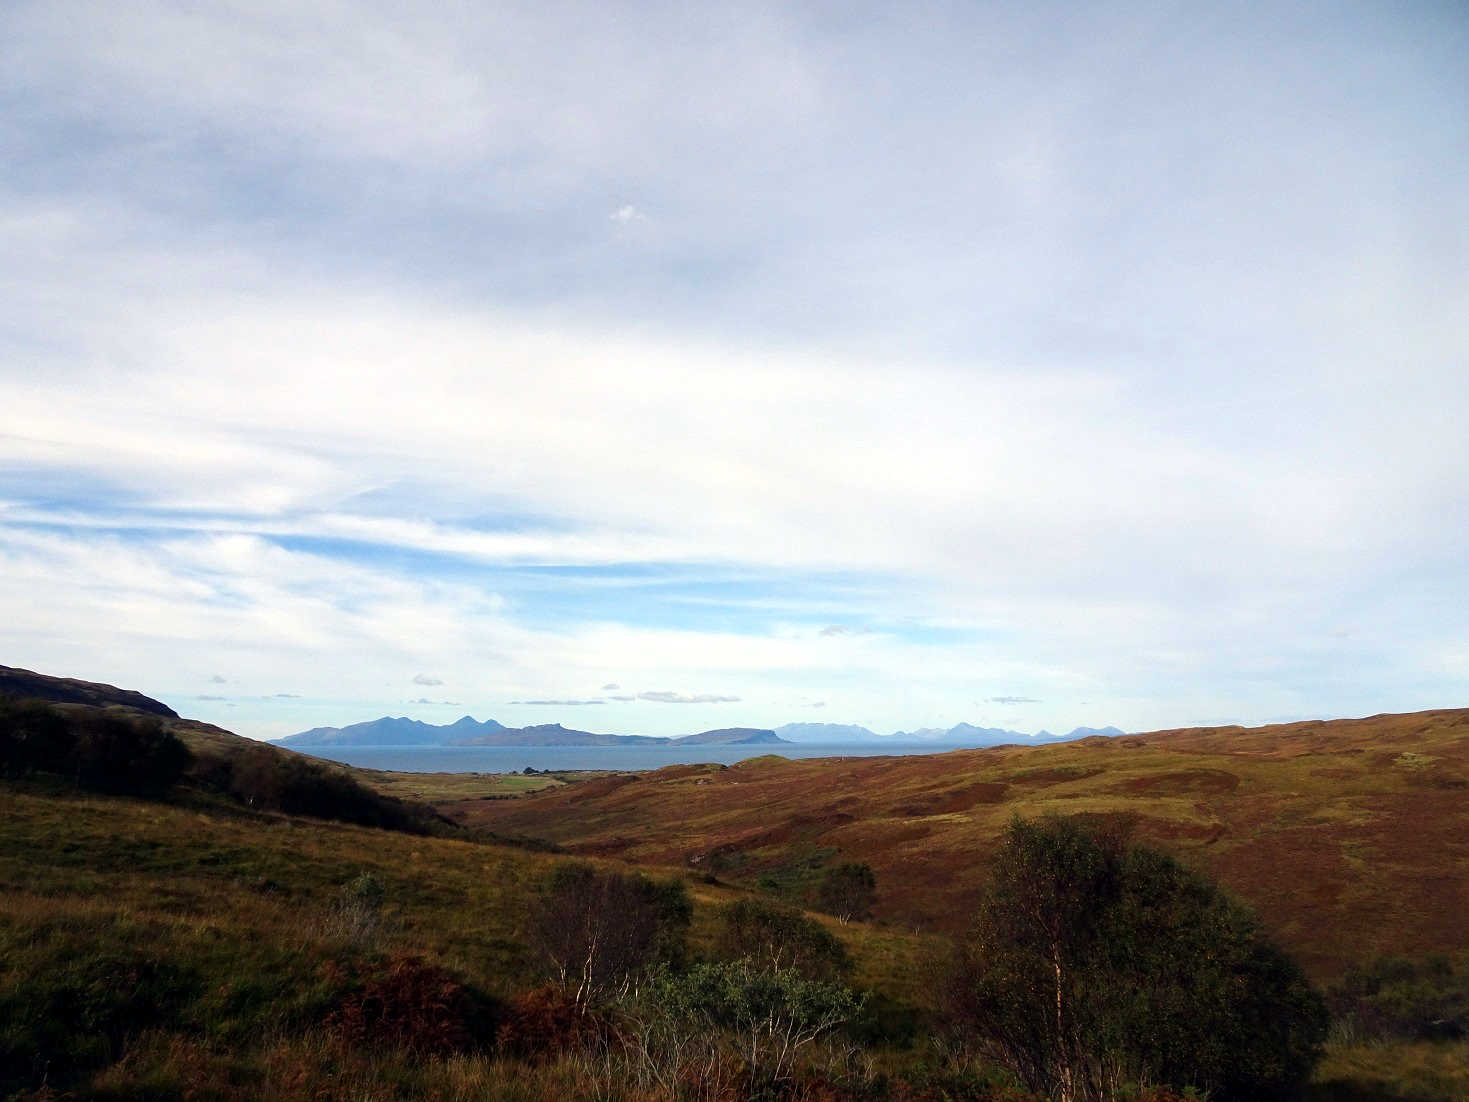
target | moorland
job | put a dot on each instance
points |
(246, 922)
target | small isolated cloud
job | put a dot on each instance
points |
(217, 679)
(560, 703)
(211, 698)
(425, 679)
(1013, 700)
(841, 629)
(287, 696)
(663, 697)
(626, 215)
(628, 697)
(819, 704)
(611, 687)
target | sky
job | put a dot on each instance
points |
(652, 368)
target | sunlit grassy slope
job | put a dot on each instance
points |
(227, 916)
(226, 925)
(1349, 837)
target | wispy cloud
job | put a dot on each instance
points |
(559, 703)
(664, 697)
(752, 390)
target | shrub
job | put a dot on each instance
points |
(598, 930)
(847, 891)
(1093, 964)
(762, 1017)
(776, 937)
(1398, 998)
(356, 913)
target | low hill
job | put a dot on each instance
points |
(1350, 837)
(732, 736)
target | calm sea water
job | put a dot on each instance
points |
(512, 759)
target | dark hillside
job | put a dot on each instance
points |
(28, 685)
(123, 748)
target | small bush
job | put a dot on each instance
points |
(761, 1017)
(847, 891)
(777, 937)
(417, 1007)
(597, 930)
(547, 1022)
(356, 913)
(1402, 999)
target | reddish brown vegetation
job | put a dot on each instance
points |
(414, 1006)
(546, 1022)
(1350, 837)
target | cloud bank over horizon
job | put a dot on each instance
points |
(1021, 366)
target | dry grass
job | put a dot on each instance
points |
(1346, 851)
(1350, 838)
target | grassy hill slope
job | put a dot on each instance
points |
(1349, 837)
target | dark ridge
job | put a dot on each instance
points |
(29, 685)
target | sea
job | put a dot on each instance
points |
(516, 759)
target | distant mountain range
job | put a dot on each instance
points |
(469, 731)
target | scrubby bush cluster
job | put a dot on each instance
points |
(1394, 998)
(267, 779)
(95, 749)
